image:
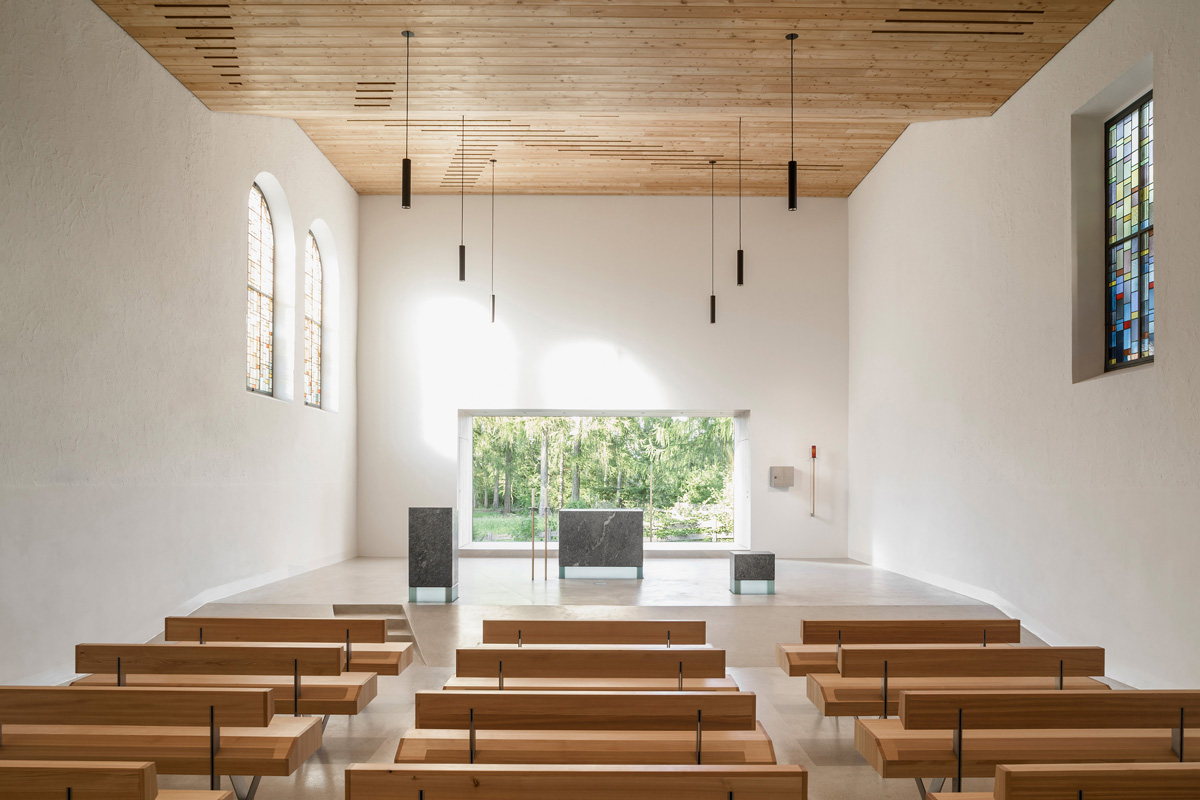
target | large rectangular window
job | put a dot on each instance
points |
(1130, 235)
(678, 470)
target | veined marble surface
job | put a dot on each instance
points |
(609, 537)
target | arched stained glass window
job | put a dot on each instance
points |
(260, 298)
(313, 285)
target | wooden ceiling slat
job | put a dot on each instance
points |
(605, 97)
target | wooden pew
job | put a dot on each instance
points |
(571, 661)
(210, 659)
(345, 694)
(91, 780)
(992, 667)
(586, 631)
(835, 696)
(598, 711)
(365, 640)
(591, 782)
(457, 683)
(235, 661)
(174, 728)
(1096, 781)
(585, 747)
(943, 661)
(818, 653)
(1026, 728)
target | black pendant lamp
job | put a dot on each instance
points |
(712, 243)
(792, 37)
(741, 253)
(406, 170)
(462, 195)
(493, 240)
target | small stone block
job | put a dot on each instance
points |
(751, 565)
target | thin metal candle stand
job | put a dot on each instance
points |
(546, 547)
(813, 512)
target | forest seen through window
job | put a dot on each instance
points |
(678, 470)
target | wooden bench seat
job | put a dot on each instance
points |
(590, 782)
(1097, 782)
(586, 631)
(92, 780)
(818, 653)
(835, 696)
(586, 747)
(898, 753)
(278, 749)
(345, 694)
(366, 639)
(613, 711)
(172, 727)
(457, 683)
(573, 661)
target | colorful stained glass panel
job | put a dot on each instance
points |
(1130, 235)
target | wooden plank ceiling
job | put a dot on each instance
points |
(604, 96)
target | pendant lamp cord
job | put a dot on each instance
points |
(407, 42)
(739, 183)
(462, 184)
(793, 93)
(712, 228)
(493, 226)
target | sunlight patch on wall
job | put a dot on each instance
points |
(464, 360)
(596, 374)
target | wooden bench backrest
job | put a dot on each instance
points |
(579, 782)
(912, 631)
(210, 659)
(130, 705)
(867, 661)
(587, 631)
(938, 710)
(1098, 781)
(281, 629)
(611, 661)
(87, 780)
(610, 711)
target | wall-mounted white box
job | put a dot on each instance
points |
(783, 477)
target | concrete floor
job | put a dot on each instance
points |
(747, 626)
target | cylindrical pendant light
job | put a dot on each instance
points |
(493, 240)
(462, 196)
(741, 253)
(792, 37)
(712, 243)
(406, 165)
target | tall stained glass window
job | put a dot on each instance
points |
(1130, 236)
(312, 322)
(260, 298)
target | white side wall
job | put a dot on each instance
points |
(602, 304)
(975, 461)
(137, 473)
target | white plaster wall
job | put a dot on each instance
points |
(602, 304)
(137, 474)
(975, 462)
